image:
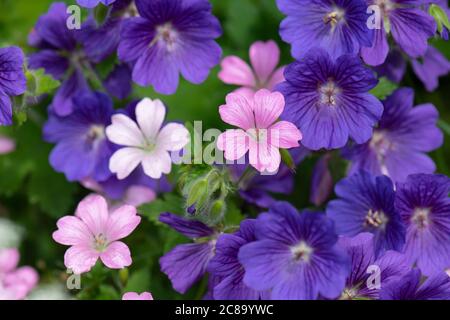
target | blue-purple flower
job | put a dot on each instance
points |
(338, 26)
(431, 67)
(399, 143)
(369, 274)
(171, 37)
(329, 100)
(411, 287)
(410, 27)
(226, 266)
(186, 263)
(366, 204)
(296, 256)
(424, 205)
(94, 3)
(12, 81)
(82, 150)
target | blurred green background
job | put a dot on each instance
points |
(34, 196)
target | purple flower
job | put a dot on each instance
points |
(366, 204)
(59, 56)
(398, 145)
(295, 256)
(394, 68)
(362, 282)
(329, 100)
(94, 3)
(321, 181)
(424, 206)
(410, 27)
(337, 26)
(169, 37)
(12, 81)
(410, 287)
(226, 266)
(187, 263)
(82, 150)
(118, 82)
(430, 67)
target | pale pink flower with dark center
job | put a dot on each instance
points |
(137, 296)
(93, 233)
(262, 74)
(260, 133)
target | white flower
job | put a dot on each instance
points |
(145, 142)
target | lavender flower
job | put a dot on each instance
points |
(187, 263)
(295, 255)
(398, 145)
(94, 3)
(424, 206)
(82, 150)
(329, 100)
(431, 67)
(366, 204)
(169, 37)
(338, 26)
(12, 81)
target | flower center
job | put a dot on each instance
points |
(421, 217)
(382, 146)
(348, 294)
(328, 93)
(167, 34)
(334, 17)
(96, 132)
(100, 242)
(302, 252)
(375, 219)
(259, 135)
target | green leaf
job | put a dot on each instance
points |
(40, 83)
(440, 16)
(384, 88)
(169, 203)
(444, 126)
(139, 281)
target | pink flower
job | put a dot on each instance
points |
(94, 233)
(15, 283)
(136, 296)
(7, 145)
(264, 57)
(261, 133)
(145, 142)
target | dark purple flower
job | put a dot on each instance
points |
(59, 54)
(322, 181)
(369, 274)
(226, 266)
(410, 287)
(171, 37)
(430, 67)
(366, 204)
(329, 100)
(94, 3)
(295, 256)
(410, 27)
(12, 81)
(337, 26)
(424, 205)
(394, 68)
(82, 150)
(398, 145)
(187, 263)
(118, 82)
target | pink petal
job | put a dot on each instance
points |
(238, 111)
(234, 143)
(72, 231)
(6, 145)
(26, 277)
(122, 222)
(173, 137)
(264, 57)
(138, 195)
(285, 135)
(236, 71)
(277, 78)
(157, 163)
(125, 160)
(125, 132)
(80, 259)
(116, 256)
(248, 93)
(136, 296)
(150, 116)
(264, 157)
(93, 210)
(268, 107)
(9, 259)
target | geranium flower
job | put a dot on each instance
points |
(94, 3)
(137, 296)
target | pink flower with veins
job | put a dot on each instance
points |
(264, 57)
(15, 283)
(145, 142)
(260, 133)
(93, 233)
(136, 296)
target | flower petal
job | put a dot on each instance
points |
(124, 131)
(116, 256)
(157, 163)
(236, 71)
(122, 222)
(72, 231)
(125, 160)
(264, 57)
(93, 210)
(150, 115)
(238, 111)
(268, 107)
(284, 134)
(234, 143)
(173, 137)
(80, 259)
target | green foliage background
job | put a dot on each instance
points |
(34, 196)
